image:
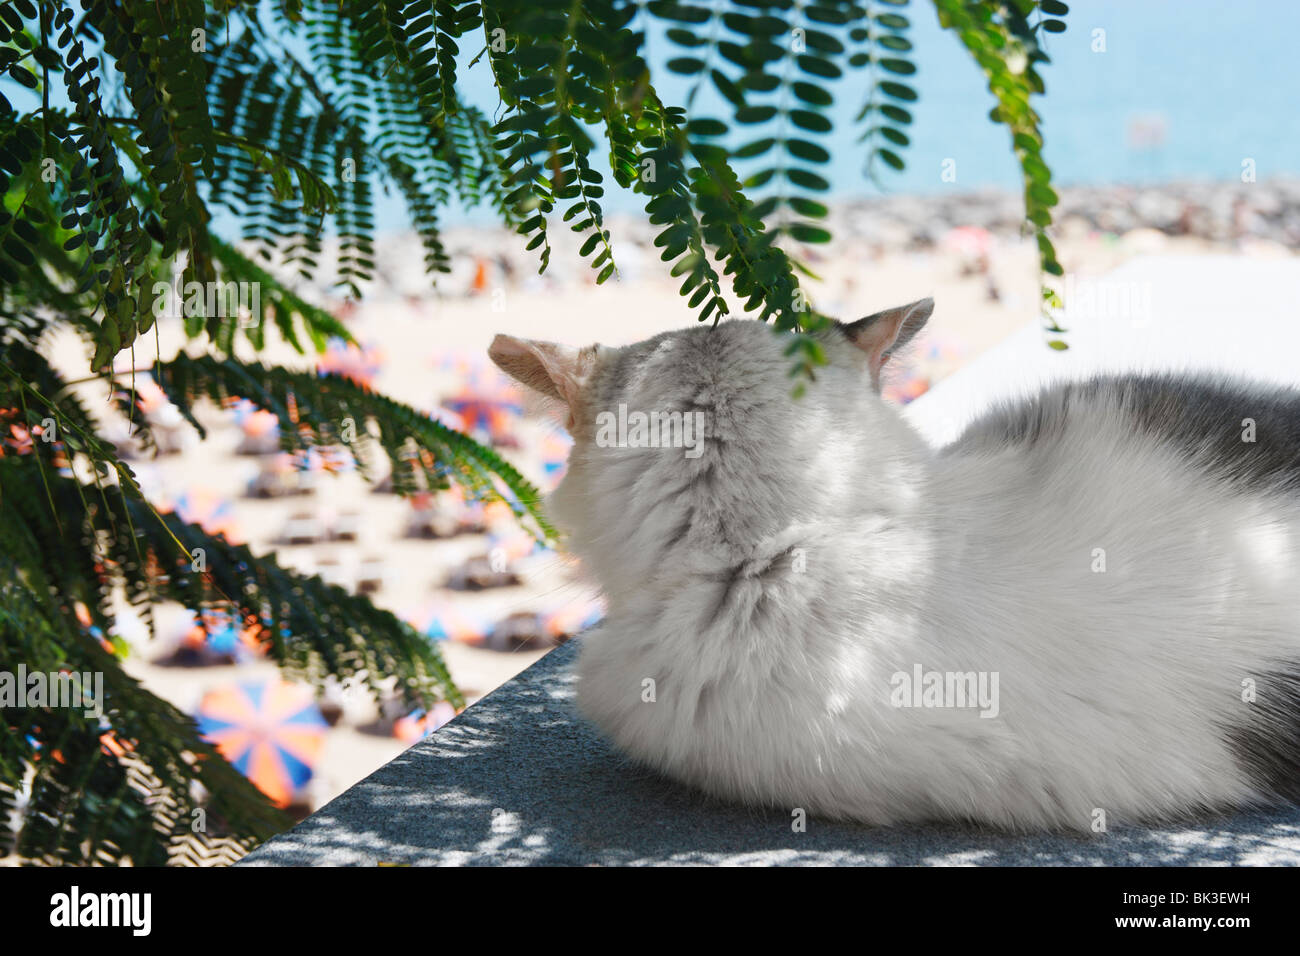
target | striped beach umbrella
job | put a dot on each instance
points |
(271, 732)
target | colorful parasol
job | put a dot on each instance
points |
(553, 453)
(513, 546)
(359, 363)
(20, 438)
(148, 394)
(448, 621)
(254, 422)
(455, 512)
(491, 413)
(210, 511)
(84, 619)
(969, 242)
(323, 458)
(573, 617)
(218, 633)
(419, 723)
(271, 732)
(448, 418)
(921, 369)
(466, 367)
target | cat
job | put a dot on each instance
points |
(1084, 611)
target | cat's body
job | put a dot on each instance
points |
(1113, 559)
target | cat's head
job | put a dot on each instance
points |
(695, 434)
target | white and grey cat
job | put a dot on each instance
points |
(1085, 609)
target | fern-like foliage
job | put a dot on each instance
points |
(1005, 40)
(127, 127)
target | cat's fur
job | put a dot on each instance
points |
(772, 587)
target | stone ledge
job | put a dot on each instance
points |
(521, 778)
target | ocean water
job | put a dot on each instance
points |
(1171, 90)
(1183, 90)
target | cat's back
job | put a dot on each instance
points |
(1244, 433)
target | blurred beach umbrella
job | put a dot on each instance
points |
(217, 631)
(113, 745)
(464, 366)
(260, 423)
(323, 459)
(969, 242)
(443, 514)
(113, 646)
(472, 370)
(18, 440)
(148, 395)
(450, 621)
(277, 477)
(513, 545)
(261, 428)
(420, 723)
(553, 453)
(448, 418)
(482, 572)
(492, 412)
(920, 369)
(572, 617)
(479, 284)
(214, 513)
(272, 732)
(906, 386)
(166, 423)
(545, 628)
(359, 363)
(215, 636)
(152, 401)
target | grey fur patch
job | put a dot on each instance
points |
(1267, 745)
(1201, 417)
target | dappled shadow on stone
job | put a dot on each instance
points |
(521, 778)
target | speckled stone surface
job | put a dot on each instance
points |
(521, 778)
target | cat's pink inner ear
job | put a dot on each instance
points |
(881, 334)
(542, 366)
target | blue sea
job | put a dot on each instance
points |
(1184, 90)
(1167, 90)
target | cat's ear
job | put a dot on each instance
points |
(882, 334)
(556, 371)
